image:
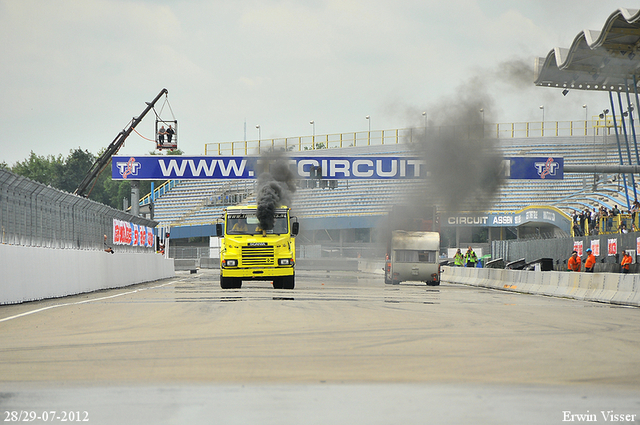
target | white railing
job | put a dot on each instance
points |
(593, 127)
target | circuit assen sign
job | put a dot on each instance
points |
(510, 219)
(375, 167)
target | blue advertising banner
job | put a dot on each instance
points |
(536, 168)
(156, 167)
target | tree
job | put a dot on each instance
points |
(45, 170)
(67, 174)
(114, 191)
(76, 166)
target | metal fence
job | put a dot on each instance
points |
(559, 249)
(189, 252)
(33, 214)
(588, 127)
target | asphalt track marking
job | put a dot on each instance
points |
(38, 310)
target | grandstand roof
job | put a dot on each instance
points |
(596, 60)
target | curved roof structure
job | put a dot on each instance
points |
(604, 60)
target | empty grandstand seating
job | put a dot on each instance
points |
(201, 202)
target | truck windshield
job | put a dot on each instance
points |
(248, 224)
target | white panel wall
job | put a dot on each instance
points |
(612, 288)
(32, 273)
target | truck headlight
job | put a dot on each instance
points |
(229, 263)
(285, 262)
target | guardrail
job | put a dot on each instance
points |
(159, 191)
(593, 127)
(609, 225)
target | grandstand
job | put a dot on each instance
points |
(334, 210)
(575, 191)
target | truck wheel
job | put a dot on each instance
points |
(277, 283)
(230, 282)
(288, 282)
(225, 282)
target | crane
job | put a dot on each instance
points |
(102, 161)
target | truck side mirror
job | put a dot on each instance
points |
(219, 229)
(295, 228)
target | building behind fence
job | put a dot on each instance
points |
(33, 214)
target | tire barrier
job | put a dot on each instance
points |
(614, 288)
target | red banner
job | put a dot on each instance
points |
(595, 247)
(127, 233)
(577, 246)
(613, 246)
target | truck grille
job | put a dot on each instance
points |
(257, 256)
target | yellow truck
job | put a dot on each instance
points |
(248, 252)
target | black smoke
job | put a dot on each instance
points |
(462, 163)
(275, 187)
(459, 147)
(459, 144)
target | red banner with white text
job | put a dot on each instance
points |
(127, 233)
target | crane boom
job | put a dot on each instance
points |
(113, 148)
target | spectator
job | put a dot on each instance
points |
(583, 218)
(595, 219)
(609, 215)
(634, 211)
(576, 229)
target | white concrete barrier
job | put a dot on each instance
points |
(529, 282)
(602, 287)
(576, 287)
(634, 296)
(371, 266)
(599, 289)
(33, 273)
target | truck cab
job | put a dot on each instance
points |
(413, 256)
(248, 252)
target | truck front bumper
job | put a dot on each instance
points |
(263, 273)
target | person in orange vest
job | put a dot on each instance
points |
(626, 261)
(574, 262)
(590, 262)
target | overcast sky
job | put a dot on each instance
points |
(74, 73)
